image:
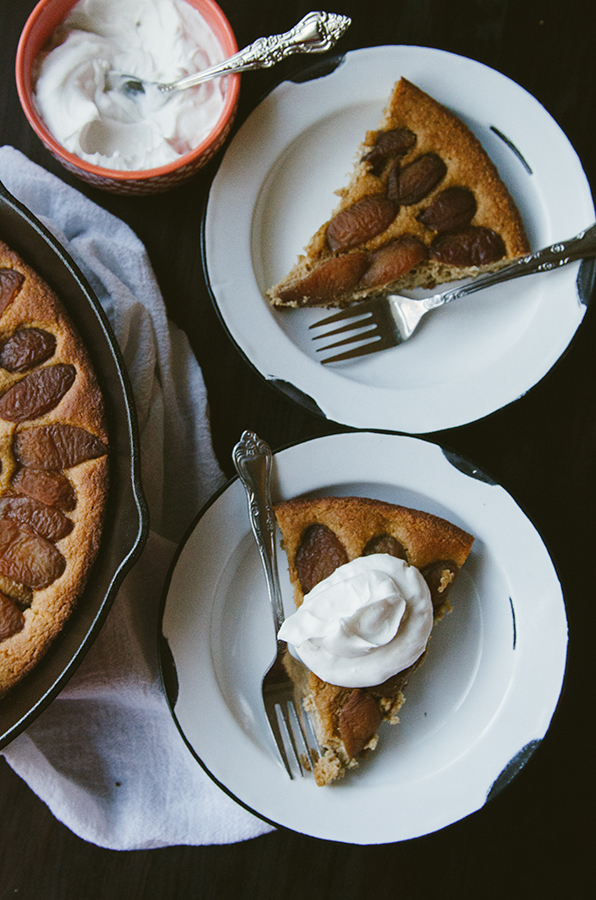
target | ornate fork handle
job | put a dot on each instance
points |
(315, 33)
(581, 246)
(253, 461)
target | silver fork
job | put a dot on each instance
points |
(388, 321)
(253, 461)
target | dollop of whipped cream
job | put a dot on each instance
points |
(156, 40)
(370, 619)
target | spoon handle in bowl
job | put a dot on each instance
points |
(315, 33)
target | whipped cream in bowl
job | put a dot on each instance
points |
(103, 135)
(367, 621)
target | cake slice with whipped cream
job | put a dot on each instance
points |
(370, 580)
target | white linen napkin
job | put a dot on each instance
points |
(106, 756)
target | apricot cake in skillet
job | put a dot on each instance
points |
(53, 467)
(424, 205)
(323, 534)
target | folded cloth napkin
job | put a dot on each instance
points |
(106, 756)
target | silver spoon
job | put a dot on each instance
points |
(315, 33)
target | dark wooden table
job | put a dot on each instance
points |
(536, 838)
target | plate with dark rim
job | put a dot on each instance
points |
(126, 523)
(474, 712)
(276, 185)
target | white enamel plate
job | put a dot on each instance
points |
(474, 711)
(276, 185)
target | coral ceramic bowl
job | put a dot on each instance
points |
(39, 28)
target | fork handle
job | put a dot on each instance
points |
(581, 246)
(253, 461)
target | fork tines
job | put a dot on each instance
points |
(294, 737)
(369, 321)
(292, 730)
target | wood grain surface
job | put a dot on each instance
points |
(535, 839)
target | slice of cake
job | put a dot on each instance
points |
(424, 205)
(320, 535)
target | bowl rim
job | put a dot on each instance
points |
(217, 21)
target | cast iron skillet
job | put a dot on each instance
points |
(126, 522)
